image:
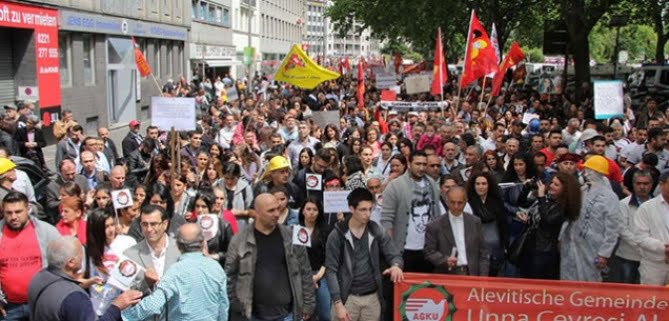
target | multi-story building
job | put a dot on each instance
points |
(316, 37)
(246, 34)
(281, 26)
(79, 55)
(358, 42)
(212, 52)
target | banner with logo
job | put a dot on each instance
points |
(438, 297)
(299, 70)
(413, 105)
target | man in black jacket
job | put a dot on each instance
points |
(132, 140)
(352, 262)
(30, 140)
(138, 162)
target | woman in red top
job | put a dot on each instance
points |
(72, 221)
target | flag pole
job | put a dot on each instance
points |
(483, 88)
(155, 81)
(469, 31)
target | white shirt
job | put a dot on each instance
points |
(159, 261)
(458, 227)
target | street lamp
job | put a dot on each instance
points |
(617, 21)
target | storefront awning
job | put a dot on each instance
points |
(221, 63)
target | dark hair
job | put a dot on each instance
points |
(418, 153)
(493, 190)
(71, 189)
(653, 133)
(232, 169)
(150, 209)
(406, 142)
(96, 239)
(510, 176)
(325, 132)
(15, 197)
(149, 143)
(400, 158)
(554, 131)
(650, 158)
(76, 128)
(207, 197)
(164, 193)
(570, 198)
(358, 195)
(352, 164)
(279, 189)
(311, 157)
(320, 219)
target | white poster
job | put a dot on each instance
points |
(124, 273)
(232, 94)
(324, 118)
(314, 182)
(527, 117)
(335, 201)
(168, 112)
(301, 236)
(418, 84)
(209, 225)
(413, 105)
(121, 198)
(385, 80)
(608, 99)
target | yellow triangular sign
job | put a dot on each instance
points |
(299, 70)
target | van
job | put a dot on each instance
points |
(649, 80)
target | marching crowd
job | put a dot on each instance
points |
(529, 186)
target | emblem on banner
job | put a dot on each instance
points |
(427, 302)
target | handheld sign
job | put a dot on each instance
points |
(314, 182)
(168, 112)
(335, 201)
(608, 99)
(121, 198)
(209, 225)
(301, 236)
(124, 273)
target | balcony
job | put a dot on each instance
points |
(249, 3)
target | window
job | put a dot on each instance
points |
(65, 57)
(211, 14)
(193, 7)
(89, 59)
(203, 10)
(219, 15)
(226, 17)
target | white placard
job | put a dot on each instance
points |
(28, 92)
(323, 118)
(124, 273)
(418, 84)
(232, 94)
(301, 236)
(527, 117)
(335, 201)
(168, 112)
(608, 99)
(385, 80)
(121, 198)
(314, 182)
(396, 89)
(209, 225)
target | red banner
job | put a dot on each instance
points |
(142, 65)
(44, 23)
(437, 297)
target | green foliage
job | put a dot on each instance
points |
(638, 40)
(534, 54)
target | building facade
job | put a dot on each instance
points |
(79, 55)
(317, 31)
(212, 52)
(281, 25)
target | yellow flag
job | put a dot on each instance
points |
(299, 70)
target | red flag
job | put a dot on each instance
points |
(479, 55)
(388, 95)
(361, 84)
(397, 61)
(142, 65)
(439, 71)
(514, 56)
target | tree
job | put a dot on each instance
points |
(580, 17)
(654, 13)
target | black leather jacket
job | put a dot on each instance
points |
(551, 216)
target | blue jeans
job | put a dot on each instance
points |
(288, 317)
(323, 304)
(16, 312)
(623, 270)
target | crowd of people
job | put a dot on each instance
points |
(529, 186)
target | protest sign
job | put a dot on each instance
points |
(209, 225)
(466, 298)
(314, 182)
(388, 95)
(323, 118)
(413, 105)
(301, 236)
(124, 273)
(527, 117)
(232, 94)
(418, 84)
(608, 99)
(121, 198)
(335, 201)
(168, 112)
(385, 80)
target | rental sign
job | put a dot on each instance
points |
(424, 297)
(44, 23)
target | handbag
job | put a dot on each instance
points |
(518, 245)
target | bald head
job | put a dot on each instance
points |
(457, 199)
(190, 238)
(263, 200)
(267, 212)
(117, 177)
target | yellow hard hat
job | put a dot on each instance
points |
(598, 164)
(276, 163)
(6, 165)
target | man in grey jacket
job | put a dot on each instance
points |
(269, 277)
(23, 248)
(352, 262)
(410, 202)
